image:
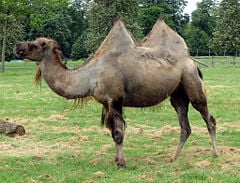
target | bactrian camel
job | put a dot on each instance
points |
(125, 73)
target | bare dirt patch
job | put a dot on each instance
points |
(218, 86)
(23, 146)
(6, 86)
(27, 145)
(203, 164)
(31, 145)
(146, 176)
(230, 157)
(235, 125)
(57, 117)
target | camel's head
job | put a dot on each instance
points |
(36, 50)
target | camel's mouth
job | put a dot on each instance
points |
(20, 52)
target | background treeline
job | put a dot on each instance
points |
(80, 26)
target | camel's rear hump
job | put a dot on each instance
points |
(163, 38)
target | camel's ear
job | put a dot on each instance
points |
(44, 45)
(55, 50)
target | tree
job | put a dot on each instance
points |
(197, 40)
(227, 30)
(77, 10)
(78, 50)
(199, 32)
(101, 16)
(10, 27)
(50, 20)
(58, 28)
(149, 15)
(41, 10)
(170, 10)
(63, 21)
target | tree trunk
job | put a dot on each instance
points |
(4, 44)
(10, 129)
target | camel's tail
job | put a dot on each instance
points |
(200, 73)
(195, 60)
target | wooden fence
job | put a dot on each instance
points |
(213, 60)
(205, 60)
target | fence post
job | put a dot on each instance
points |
(212, 62)
(234, 60)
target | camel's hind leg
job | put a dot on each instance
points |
(210, 122)
(180, 102)
(193, 87)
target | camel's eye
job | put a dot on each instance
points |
(32, 46)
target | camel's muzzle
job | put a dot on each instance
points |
(20, 50)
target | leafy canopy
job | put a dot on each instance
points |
(227, 30)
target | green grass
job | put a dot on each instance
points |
(66, 144)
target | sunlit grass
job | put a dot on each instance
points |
(65, 143)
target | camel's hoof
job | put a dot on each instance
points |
(173, 159)
(215, 154)
(121, 164)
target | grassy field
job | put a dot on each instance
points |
(65, 143)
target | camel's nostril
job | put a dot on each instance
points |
(20, 52)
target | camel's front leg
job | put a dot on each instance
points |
(118, 136)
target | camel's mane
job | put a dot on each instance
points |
(58, 59)
(56, 50)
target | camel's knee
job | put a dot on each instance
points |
(187, 131)
(118, 130)
(211, 124)
(118, 135)
(213, 121)
(116, 125)
(200, 105)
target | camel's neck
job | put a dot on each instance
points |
(70, 84)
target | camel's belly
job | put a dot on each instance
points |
(141, 103)
(147, 97)
(150, 83)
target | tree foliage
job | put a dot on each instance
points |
(171, 11)
(50, 20)
(149, 15)
(10, 28)
(77, 10)
(79, 26)
(78, 49)
(227, 30)
(56, 27)
(198, 33)
(41, 10)
(101, 16)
